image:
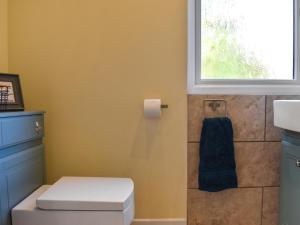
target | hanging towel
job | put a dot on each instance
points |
(217, 162)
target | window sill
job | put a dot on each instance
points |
(244, 89)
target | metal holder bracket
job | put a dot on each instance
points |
(215, 104)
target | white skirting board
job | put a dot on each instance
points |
(159, 222)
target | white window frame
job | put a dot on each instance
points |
(246, 87)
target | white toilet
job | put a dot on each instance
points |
(79, 201)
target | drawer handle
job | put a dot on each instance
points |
(298, 163)
(38, 127)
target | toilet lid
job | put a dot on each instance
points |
(88, 193)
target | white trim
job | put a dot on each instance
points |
(272, 88)
(159, 222)
(244, 89)
(191, 46)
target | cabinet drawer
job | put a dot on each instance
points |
(24, 176)
(20, 129)
(23, 181)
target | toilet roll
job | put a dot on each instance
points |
(152, 108)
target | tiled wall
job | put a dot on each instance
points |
(257, 153)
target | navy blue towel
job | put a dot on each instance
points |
(217, 162)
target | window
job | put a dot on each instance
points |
(243, 46)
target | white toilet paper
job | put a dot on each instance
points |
(152, 108)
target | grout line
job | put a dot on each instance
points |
(262, 205)
(271, 186)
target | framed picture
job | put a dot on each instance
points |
(11, 98)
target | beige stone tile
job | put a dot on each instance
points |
(250, 159)
(247, 114)
(273, 133)
(270, 206)
(271, 166)
(192, 165)
(240, 206)
(257, 164)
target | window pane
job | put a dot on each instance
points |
(247, 39)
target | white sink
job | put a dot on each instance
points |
(287, 114)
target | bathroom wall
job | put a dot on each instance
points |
(257, 153)
(89, 65)
(3, 36)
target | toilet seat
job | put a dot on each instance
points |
(81, 204)
(88, 193)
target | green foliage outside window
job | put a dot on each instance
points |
(222, 56)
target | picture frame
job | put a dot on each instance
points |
(11, 98)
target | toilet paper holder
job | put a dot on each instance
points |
(153, 108)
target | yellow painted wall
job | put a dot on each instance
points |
(90, 64)
(3, 37)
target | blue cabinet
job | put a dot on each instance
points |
(289, 179)
(21, 158)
